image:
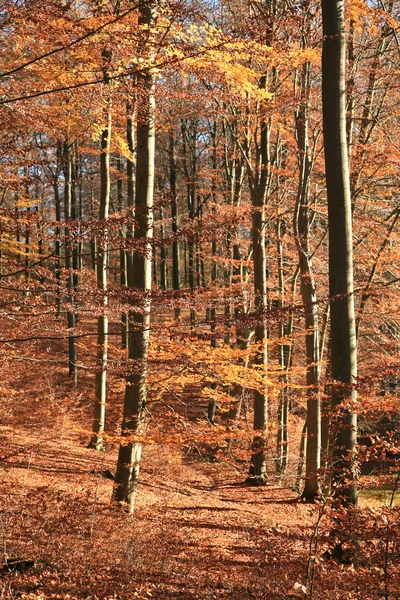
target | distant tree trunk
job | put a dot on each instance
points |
(27, 238)
(176, 277)
(102, 260)
(57, 232)
(130, 449)
(343, 332)
(130, 171)
(285, 359)
(27, 252)
(234, 171)
(259, 191)
(67, 169)
(212, 405)
(74, 217)
(80, 180)
(214, 270)
(189, 138)
(163, 253)
(122, 252)
(301, 226)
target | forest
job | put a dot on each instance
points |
(199, 282)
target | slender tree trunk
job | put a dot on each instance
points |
(163, 253)
(285, 361)
(259, 191)
(102, 259)
(74, 217)
(122, 253)
(130, 171)
(72, 350)
(27, 252)
(234, 169)
(343, 331)
(57, 232)
(176, 277)
(80, 180)
(140, 280)
(301, 226)
(189, 137)
(214, 270)
(27, 238)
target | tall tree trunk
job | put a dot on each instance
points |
(27, 237)
(189, 138)
(57, 232)
(72, 350)
(343, 331)
(74, 217)
(301, 226)
(127, 473)
(176, 276)
(214, 269)
(285, 359)
(102, 260)
(259, 191)
(163, 253)
(123, 280)
(27, 252)
(130, 171)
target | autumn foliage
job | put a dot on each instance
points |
(201, 279)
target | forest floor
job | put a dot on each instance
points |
(198, 531)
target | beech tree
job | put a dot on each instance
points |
(102, 284)
(233, 250)
(139, 279)
(341, 292)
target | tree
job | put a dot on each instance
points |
(343, 331)
(139, 280)
(102, 266)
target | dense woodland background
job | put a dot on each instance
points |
(198, 312)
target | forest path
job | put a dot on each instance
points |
(198, 530)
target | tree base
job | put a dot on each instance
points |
(256, 481)
(310, 498)
(96, 444)
(344, 555)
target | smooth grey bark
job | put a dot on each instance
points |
(72, 349)
(285, 360)
(237, 273)
(302, 234)
(212, 405)
(97, 441)
(176, 277)
(80, 180)
(75, 217)
(130, 163)
(27, 254)
(259, 185)
(27, 239)
(326, 397)
(189, 161)
(343, 331)
(214, 269)
(130, 449)
(163, 253)
(123, 277)
(57, 232)
(128, 229)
